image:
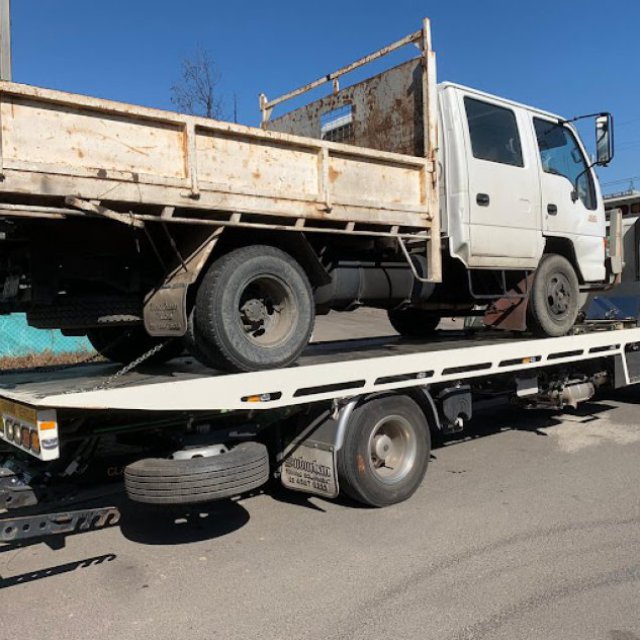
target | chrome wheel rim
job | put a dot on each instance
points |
(393, 449)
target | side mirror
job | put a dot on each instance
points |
(604, 139)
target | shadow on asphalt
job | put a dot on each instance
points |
(184, 525)
(68, 567)
(490, 422)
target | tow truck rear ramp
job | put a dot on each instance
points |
(353, 416)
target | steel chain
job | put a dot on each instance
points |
(107, 382)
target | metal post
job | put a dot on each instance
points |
(5, 40)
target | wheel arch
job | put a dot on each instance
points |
(295, 243)
(420, 395)
(564, 247)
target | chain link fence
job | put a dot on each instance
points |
(22, 346)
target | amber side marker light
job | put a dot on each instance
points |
(262, 397)
(35, 442)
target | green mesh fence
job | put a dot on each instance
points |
(22, 346)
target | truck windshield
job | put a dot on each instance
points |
(561, 155)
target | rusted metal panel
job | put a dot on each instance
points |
(267, 105)
(386, 112)
(395, 111)
(57, 145)
(38, 131)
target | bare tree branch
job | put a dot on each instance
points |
(196, 92)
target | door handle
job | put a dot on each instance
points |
(552, 209)
(483, 199)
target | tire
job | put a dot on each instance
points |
(125, 344)
(159, 481)
(413, 323)
(191, 344)
(360, 473)
(254, 310)
(554, 301)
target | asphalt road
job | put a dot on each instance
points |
(527, 528)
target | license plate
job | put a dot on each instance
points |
(311, 469)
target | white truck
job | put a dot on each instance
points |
(149, 231)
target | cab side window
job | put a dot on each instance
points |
(561, 156)
(494, 133)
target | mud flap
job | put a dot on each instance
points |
(309, 462)
(165, 308)
(311, 468)
(509, 313)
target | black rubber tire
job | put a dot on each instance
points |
(125, 344)
(219, 332)
(191, 344)
(413, 323)
(544, 319)
(356, 477)
(159, 481)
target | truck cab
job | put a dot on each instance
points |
(521, 174)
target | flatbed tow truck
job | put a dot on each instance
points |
(353, 417)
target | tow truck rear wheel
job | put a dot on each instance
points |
(254, 310)
(554, 301)
(385, 452)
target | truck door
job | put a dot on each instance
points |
(570, 201)
(504, 198)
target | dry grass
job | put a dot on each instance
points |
(43, 359)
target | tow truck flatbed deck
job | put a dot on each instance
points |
(326, 371)
(211, 435)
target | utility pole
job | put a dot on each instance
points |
(5, 40)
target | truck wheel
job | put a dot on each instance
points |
(254, 310)
(191, 343)
(385, 452)
(125, 344)
(413, 323)
(161, 481)
(554, 301)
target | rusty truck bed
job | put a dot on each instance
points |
(66, 155)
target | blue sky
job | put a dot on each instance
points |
(567, 56)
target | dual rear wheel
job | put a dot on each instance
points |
(254, 310)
